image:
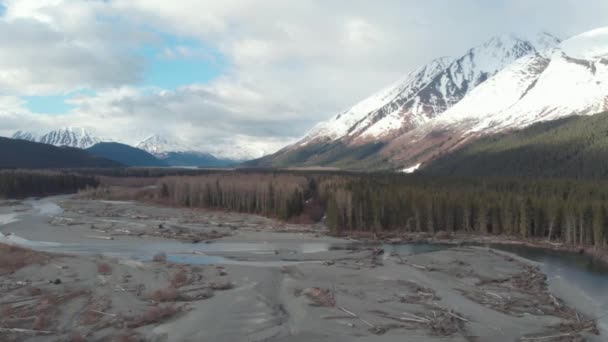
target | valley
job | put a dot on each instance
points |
(258, 279)
(218, 171)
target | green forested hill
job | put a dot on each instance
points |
(125, 154)
(574, 147)
(24, 154)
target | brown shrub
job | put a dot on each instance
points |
(104, 269)
(42, 321)
(160, 257)
(320, 297)
(164, 295)
(180, 278)
(155, 315)
(77, 337)
(34, 291)
(129, 337)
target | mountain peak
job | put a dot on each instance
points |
(159, 144)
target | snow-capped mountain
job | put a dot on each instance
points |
(535, 88)
(159, 145)
(506, 83)
(68, 136)
(23, 135)
(428, 91)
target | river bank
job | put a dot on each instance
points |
(462, 239)
(258, 279)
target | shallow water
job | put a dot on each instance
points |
(584, 274)
(8, 218)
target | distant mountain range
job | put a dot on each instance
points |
(15, 153)
(68, 136)
(505, 84)
(155, 151)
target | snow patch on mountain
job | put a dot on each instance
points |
(588, 45)
(23, 135)
(499, 92)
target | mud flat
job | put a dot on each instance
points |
(255, 280)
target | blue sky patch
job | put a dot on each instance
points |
(54, 104)
(179, 62)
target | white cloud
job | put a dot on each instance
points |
(290, 63)
(56, 46)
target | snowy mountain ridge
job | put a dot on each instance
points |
(428, 91)
(68, 136)
(504, 84)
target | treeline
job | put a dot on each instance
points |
(569, 211)
(21, 184)
(282, 196)
(574, 212)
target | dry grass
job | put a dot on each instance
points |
(13, 258)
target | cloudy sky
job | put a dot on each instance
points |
(246, 75)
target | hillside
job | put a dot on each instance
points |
(574, 147)
(24, 154)
(125, 154)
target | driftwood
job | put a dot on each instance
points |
(25, 331)
(100, 237)
(357, 316)
(20, 300)
(103, 313)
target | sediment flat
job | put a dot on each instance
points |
(126, 271)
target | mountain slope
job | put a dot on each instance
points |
(533, 89)
(125, 154)
(413, 102)
(575, 146)
(70, 136)
(16, 153)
